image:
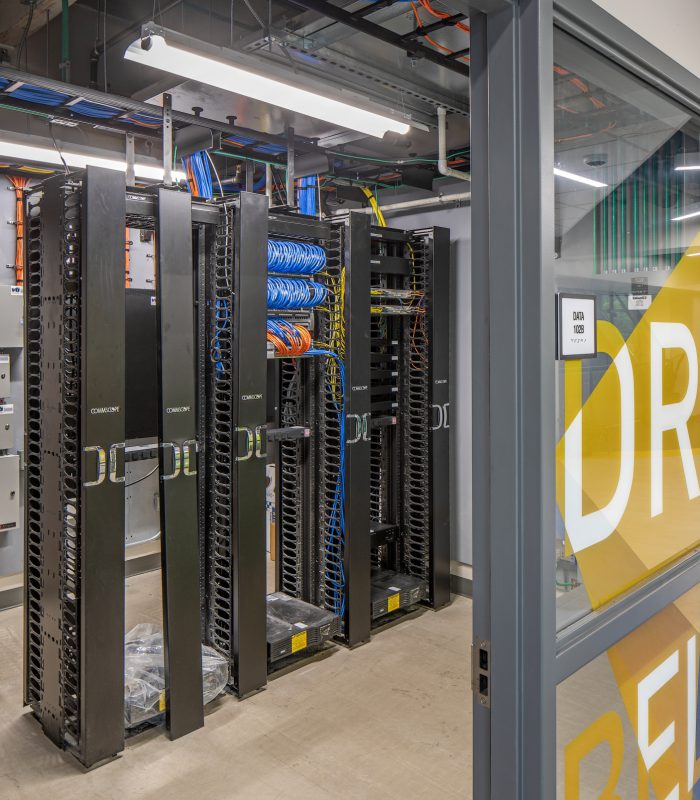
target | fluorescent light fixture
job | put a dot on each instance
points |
(687, 162)
(688, 215)
(48, 155)
(572, 176)
(154, 51)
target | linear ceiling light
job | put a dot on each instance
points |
(154, 51)
(572, 176)
(48, 155)
(687, 162)
(687, 215)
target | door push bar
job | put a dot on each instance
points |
(182, 458)
(253, 442)
(249, 443)
(361, 428)
(108, 465)
(441, 417)
(105, 465)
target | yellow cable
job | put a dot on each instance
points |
(375, 207)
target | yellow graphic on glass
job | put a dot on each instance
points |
(627, 474)
(655, 671)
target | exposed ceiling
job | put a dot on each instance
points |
(15, 14)
(607, 125)
(279, 33)
(282, 32)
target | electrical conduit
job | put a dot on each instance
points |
(443, 169)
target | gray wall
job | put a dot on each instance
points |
(458, 220)
(672, 27)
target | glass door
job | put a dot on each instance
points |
(587, 277)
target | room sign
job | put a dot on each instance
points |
(576, 326)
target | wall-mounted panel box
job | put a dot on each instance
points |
(7, 426)
(5, 389)
(11, 316)
(9, 492)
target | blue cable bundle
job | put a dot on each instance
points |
(35, 94)
(291, 293)
(244, 141)
(299, 258)
(97, 110)
(197, 168)
(307, 196)
(144, 119)
(335, 572)
(223, 319)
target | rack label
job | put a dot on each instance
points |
(299, 641)
(393, 602)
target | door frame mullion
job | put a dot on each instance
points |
(514, 398)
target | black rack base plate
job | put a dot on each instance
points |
(395, 591)
(296, 628)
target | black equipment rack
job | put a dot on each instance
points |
(233, 370)
(74, 527)
(306, 395)
(75, 448)
(404, 438)
(263, 409)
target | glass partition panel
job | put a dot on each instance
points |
(627, 272)
(627, 722)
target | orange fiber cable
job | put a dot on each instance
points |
(431, 40)
(19, 183)
(442, 15)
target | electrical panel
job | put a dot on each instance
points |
(7, 426)
(5, 383)
(9, 492)
(11, 315)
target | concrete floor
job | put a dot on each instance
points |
(391, 719)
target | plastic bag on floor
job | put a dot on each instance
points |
(144, 674)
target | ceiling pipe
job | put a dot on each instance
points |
(422, 204)
(443, 169)
(64, 66)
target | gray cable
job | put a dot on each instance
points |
(55, 144)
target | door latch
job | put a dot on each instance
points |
(481, 672)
